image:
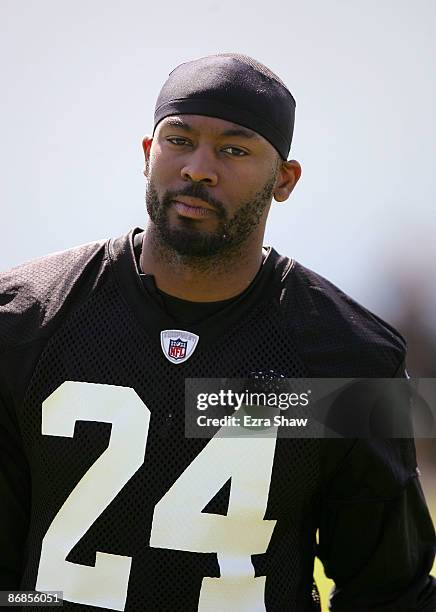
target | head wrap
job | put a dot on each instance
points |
(233, 87)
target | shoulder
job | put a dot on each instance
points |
(33, 293)
(339, 336)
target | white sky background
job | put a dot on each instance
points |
(79, 83)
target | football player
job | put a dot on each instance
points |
(102, 495)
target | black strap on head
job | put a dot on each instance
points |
(233, 87)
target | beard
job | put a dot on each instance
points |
(187, 240)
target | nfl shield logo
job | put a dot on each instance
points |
(177, 349)
(178, 344)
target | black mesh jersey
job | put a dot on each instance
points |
(104, 498)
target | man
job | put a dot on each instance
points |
(103, 496)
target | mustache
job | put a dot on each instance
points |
(195, 191)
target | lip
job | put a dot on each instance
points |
(192, 207)
(193, 202)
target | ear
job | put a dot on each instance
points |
(146, 145)
(289, 173)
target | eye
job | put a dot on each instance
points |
(177, 140)
(237, 152)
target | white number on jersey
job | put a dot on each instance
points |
(178, 521)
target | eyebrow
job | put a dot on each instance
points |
(178, 123)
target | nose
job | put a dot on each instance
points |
(199, 168)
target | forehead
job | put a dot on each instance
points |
(210, 125)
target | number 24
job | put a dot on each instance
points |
(234, 538)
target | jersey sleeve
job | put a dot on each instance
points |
(14, 500)
(376, 537)
(34, 298)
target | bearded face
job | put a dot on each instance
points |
(192, 237)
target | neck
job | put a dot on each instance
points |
(200, 279)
